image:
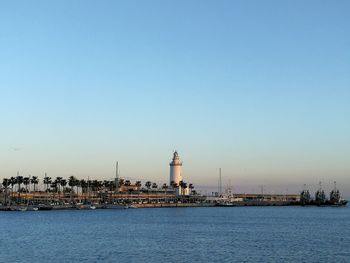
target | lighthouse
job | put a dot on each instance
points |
(175, 169)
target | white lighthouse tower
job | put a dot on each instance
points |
(175, 169)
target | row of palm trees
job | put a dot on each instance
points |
(59, 185)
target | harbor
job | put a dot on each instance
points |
(23, 194)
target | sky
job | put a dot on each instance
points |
(260, 89)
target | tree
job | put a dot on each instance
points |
(148, 185)
(5, 183)
(106, 185)
(154, 186)
(53, 185)
(34, 181)
(19, 181)
(47, 181)
(83, 185)
(96, 187)
(63, 183)
(127, 183)
(191, 188)
(77, 185)
(58, 182)
(72, 181)
(13, 181)
(26, 182)
(121, 183)
(183, 188)
(138, 186)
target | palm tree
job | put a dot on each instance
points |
(77, 185)
(184, 187)
(34, 180)
(106, 185)
(138, 184)
(95, 186)
(154, 186)
(121, 182)
(84, 185)
(26, 182)
(58, 182)
(181, 186)
(72, 181)
(19, 181)
(47, 182)
(63, 183)
(5, 183)
(191, 187)
(13, 181)
(148, 185)
(113, 187)
(53, 185)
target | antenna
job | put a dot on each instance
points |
(262, 189)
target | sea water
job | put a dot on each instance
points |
(213, 234)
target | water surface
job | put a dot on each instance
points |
(240, 234)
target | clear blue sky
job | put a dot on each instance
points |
(259, 88)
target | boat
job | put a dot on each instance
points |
(92, 207)
(19, 208)
(225, 204)
(305, 197)
(320, 197)
(32, 208)
(335, 198)
(115, 206)
(43, 207)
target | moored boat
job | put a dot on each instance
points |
(335, 197)
(19, 208)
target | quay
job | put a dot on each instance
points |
(25, 194)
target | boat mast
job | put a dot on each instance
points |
(220, 184)
(116, 177)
